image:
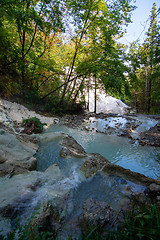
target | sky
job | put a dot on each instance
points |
(140, 19)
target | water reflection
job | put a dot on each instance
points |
(142, 159)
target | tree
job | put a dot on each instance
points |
(144, 75)
(50, 61)
(151, 47)
(33, 21)
(95, 24)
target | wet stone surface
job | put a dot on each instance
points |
(151, 137)
(95, 213)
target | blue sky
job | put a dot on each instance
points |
(139, 26)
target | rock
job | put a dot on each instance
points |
(154, 187)
(6, 168)
(158, 181)
(16, 153)
(14, 190)
(94, 163)
(151, 137)
(158, 198)
(72, 147)
(48, 219)
(65, 152)
(153, 192)
(135, 177)
(95, 213)
(16, 112)
(30, 164)
(2, 159)
(54, 172)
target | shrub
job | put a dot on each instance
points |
(32, 125)
(141, 222)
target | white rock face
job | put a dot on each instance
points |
(107, 104)
(10, 112)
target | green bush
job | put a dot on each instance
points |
(37, 125)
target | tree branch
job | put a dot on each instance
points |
(60, 87)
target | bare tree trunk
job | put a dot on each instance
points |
(95, 95)
(73, 88)
(71, 80)
(146, 91)
(74, 57)
(149, 91)
(76, 95)
(68, 80)
(137, 107)
(23, 63)
(88, 99)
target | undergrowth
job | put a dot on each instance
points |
(141, 222)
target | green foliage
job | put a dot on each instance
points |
(37, 59)
(26, 232)
(38, 125)
(142, 222)
(144, 76)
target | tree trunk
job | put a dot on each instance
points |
(76, 95)
(137, 107)
(146, 92)
(23, 64)
(73, 88)
(88, 99)
(95, 95)
(74, 57)
(149, 91)
(68, 79)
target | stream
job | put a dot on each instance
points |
(60, 180)
(118, 150)
(101, 187)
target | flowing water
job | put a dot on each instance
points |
(118, 150)
(102, 187)
(66, 181)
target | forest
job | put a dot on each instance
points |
(54, 52)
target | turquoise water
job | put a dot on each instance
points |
(48, 154)
(119, 150)
(113, 190)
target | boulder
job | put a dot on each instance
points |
(72, 148)
(65, 152)
(11, 169)
(21, 195)
(135, 177)
(96, 213)
(29, 163)
(48, 219)
(16, 153)
(151, 137)
(153, 192)
(154, 187)
(22, 192)
(94, 163)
